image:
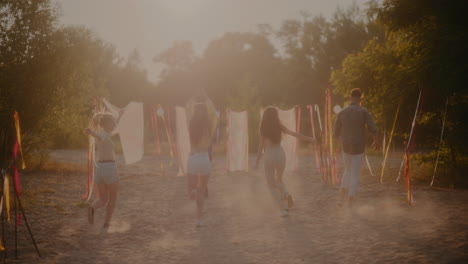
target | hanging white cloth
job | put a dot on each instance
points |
(130, 129)
(182, 139)
(238, 141)
(289, 143)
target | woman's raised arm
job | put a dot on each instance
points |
(295, 134)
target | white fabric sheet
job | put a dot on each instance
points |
(238, 141)
(182, 139)
(289, 143)
(130, 129)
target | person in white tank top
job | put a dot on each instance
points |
(106, 176)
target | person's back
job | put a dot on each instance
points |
(350, 127)
(208, 128)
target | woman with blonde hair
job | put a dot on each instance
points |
(106, 176)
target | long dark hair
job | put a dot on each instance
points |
(199, 124)
(270, 126)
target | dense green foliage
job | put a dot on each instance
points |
(424, 49)
(51, 74)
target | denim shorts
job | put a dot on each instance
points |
(275, 155)
(199, 164)
(106, 173)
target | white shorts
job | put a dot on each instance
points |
(199, 164)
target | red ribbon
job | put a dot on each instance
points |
(317, 162)
(176, 152)
(154, 126)
(91, 157)
(15, 169)
(298, 129)
(226, 164)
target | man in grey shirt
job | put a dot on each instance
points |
(350, 129)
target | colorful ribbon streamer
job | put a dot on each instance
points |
(317, 160)
(98, 107)
(228, 158)
(410, 139)
(298, 129)
(17, 148)
(91, 167)
(247, 147)
(157, 143)
(322, 167)
(331, 167)
(408, 177)
(384, 162)
(368, 166)
(7, 193)
(167, 125)
(15, 169)
(176, 152)
(18, 138)
(440, 143)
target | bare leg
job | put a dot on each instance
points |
(270, 175)
(103, 196)
(201, 193)
(279, 179)
(280, 185)
(343, 196)
(113, 190)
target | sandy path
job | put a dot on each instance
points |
(154, 221)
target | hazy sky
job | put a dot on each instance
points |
(153, 25)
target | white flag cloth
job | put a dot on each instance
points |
(182, 139)
(238, 141)
(289, 143)
(130, 129)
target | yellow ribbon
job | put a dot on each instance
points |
(389, 144)
(6, 193)
(18, 137)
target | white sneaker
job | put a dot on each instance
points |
(284, 213)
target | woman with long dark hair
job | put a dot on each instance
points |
(202, 119)
(271, 132)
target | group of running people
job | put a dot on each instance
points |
(350, 127)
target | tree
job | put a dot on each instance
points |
(128, 81)
(177, 81)
(48, 74)
(314, 46)
(423, 49)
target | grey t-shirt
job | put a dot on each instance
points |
(350, 127)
